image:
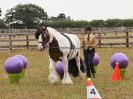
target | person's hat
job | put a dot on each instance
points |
(88, 28)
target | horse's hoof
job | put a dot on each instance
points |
(82, 76)
(67, 82)
(53, 83)
(53, 80)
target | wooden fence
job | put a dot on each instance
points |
(25, 38)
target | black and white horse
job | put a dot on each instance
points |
(65, 47)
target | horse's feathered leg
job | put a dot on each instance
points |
(81, 74)
(66, 78)
(52, 77)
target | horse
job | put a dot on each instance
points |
(64, 47)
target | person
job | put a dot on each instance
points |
(89, 43)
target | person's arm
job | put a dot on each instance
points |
(94, 42)
(82, 42)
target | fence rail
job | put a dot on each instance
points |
(25, 38)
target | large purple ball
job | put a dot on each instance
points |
(120, 58)
(24, 59)
(13, 65)
(60, 68)
(96, 59)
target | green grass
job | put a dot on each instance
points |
(35, 85)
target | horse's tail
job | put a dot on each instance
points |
(73, 69)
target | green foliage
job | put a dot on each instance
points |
(2, 25)
(67, 23)
(27, 14)
(61, 16)
(61, 23)
(128, 22)
(97, 23)
(113, 23)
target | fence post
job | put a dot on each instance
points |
(99, 39)
(10, 39)
(27, 39)
(127, 39)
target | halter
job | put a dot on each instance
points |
(45, 36)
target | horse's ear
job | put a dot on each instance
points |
(44, 28)
(37, 28)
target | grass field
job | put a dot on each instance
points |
(35, 85)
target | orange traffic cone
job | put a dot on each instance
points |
(92, 92)
(116, 75)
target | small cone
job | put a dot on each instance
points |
(116, 75)
(92, 92)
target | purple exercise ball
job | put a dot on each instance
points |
(121, 58)
(96, 59)
(60, 68)
(24, 59)
(13, 65)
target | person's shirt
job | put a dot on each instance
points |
(89, 41)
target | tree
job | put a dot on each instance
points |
(2, 24)
(113, 23)
(53, 18)
(97, 23)
(0, 11)
(27, 14)
(128, 22)
(61, 16)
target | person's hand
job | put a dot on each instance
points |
(90, 46)
(82, 46)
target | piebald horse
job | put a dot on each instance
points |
(65, 47)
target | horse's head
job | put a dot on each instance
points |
(42, 36)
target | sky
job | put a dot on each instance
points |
(79, 9)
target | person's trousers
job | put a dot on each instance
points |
(88, 59)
